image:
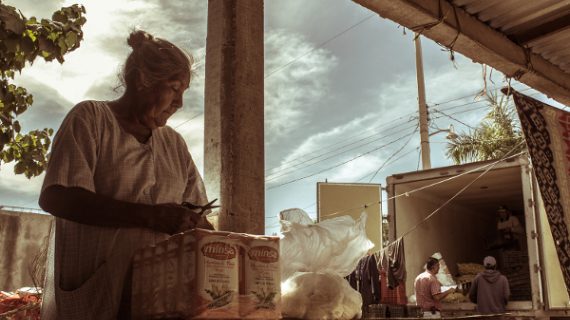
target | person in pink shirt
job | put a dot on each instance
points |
(428, 290)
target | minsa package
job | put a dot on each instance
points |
(260, 278)
(212, 290)
(208, 275)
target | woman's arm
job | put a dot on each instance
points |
(83, 206)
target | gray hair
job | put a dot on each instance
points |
(154, 60)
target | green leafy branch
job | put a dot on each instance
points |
(21, 41)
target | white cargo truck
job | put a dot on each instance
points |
(463, 229)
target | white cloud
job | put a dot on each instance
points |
(293, 91)
(357, 169)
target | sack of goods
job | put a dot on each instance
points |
(209, 275)
(455, 298)
(470, 268)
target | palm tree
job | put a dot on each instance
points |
(497, 134)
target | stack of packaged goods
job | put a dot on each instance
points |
(209, 275)
(518, 275)
(414, 312)
(374, 311)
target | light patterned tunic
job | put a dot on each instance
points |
(88, 265)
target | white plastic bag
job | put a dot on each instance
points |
(296, 215)
(443, 275)
(320, 295)
(314, 260)
(337, 244)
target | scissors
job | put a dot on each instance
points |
(202, 208)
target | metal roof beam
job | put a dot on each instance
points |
(476, 41)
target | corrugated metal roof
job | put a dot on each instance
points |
(541, 25)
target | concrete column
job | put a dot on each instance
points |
(234, 122)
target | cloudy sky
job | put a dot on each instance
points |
(338, 113)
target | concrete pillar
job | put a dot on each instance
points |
(234, 122)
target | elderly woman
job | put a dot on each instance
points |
(116, 180)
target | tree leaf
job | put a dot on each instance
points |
(17, 126)
(20, 168)
(12, 20)
(21, 109)
(27, 46)
(63, 46)
(31, 21)
(59, 17)
(12, 44)
(46, 45)
(70, 39)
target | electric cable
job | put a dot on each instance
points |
(337, 154)
(338, 165)
(189, 119)
(306, 53)
(428, 186)
(382, 125)
(405, 144)
(405, 154)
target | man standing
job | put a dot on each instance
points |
(428, 290)
(490, 289)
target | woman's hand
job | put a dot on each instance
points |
(204, 223)
(174, 218)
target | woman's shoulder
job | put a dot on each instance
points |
(88, 108)
(171, 134)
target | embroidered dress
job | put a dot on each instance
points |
(88, 266)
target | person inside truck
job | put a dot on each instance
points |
(510, 228)
(490, 290)
(116, 182)
(428, 290)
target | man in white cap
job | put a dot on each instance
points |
(490, 290)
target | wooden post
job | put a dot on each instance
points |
(234, 120)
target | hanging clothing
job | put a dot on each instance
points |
(364, 279)
(392, 260)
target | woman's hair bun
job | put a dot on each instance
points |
(137, 38)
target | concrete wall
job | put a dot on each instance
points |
(21, 234)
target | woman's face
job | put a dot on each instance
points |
(165, 100)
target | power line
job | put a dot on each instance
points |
(405, 144)
(475, 94)
(189, 119)
(369, 142)
(382, 125)
(306, 53)
(452, 118)
(426, 187)
(338, 165)
(431, 185)
(405, 154)
(286, 173)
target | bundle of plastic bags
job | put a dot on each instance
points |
(314, 259)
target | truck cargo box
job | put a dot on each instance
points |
(464, 229)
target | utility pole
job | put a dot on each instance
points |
(424, 133)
